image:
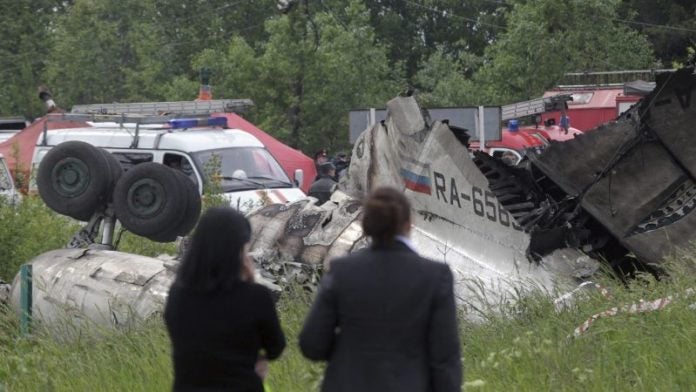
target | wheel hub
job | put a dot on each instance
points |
(146, 198)
(70, 177)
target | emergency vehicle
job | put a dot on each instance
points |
(201, 147)
(517, 138)
(600, 97)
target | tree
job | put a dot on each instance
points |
(670, 25)
(26, 39)
(312, 70)
(91, 54)
(413, 30)
(187, 27)
(546, 39)
(442, 80)
(141, 50)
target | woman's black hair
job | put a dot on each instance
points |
(386, 211)
(213, 260)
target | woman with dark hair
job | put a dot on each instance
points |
(222, 325)
(384, 318)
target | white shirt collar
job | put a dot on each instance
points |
(406, 241)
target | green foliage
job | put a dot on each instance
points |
(307, 68)
(669, 25)
(529, 350)
(141, 50)
(308, 74)
(131, 243)
(92, 52)
(25, 28)
(414, 30)
(20, 174)
(544, 40)
(133, 360)
(443, 82)
(27, 230)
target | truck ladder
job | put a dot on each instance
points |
(180, 108)
(534, 106)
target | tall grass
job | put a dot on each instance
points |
(30, 228)
(27, 230)
(530, 349)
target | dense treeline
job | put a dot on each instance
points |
(305, 63)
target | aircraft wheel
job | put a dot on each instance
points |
(149, 199)
(115, 170)
(74, 179)
(190, 214)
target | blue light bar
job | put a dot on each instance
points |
(513, 125)
(180, 123)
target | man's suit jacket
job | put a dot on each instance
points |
(385, 320)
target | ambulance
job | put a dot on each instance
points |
(217, 159)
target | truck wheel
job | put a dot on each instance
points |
(149, 199)
(190, 214)
(73, 179)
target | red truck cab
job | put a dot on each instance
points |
(516, 140)
(592, 106)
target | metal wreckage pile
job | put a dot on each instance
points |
(622, 193)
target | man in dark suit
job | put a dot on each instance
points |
(325, 185)
(384, 318)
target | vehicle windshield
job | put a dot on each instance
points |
(241, 168)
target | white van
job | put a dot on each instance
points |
(231, 159)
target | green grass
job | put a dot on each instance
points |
(529, 350)
(31, 228)
(28, 230)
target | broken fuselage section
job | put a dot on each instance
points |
(636, 176)
(457, 218)
(621, 193)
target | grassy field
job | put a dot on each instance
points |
(529, 348)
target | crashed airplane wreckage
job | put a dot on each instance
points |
(622, 192)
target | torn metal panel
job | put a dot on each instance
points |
(670, 113)
(636, 175)
(457, 218)
(673, 237)
(71, 286)
(75, 287)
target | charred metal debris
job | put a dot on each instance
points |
(622, 192)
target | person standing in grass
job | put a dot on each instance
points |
(384, 318)
(223, 326)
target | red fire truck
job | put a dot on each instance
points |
(600, 97)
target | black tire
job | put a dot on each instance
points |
(115, 170)
(73, 179)
(190, 214)
(149, 199)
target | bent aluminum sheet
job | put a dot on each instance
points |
(637, 175)
(75, 286)
(84, 287)
(457, 219)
